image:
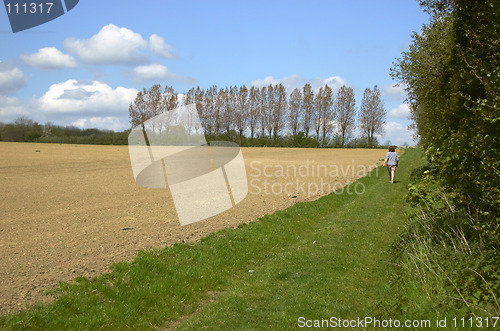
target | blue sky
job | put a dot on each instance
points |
(85, 67)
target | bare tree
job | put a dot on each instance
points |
(241, 112)
(191, 125)
(170, 99)
(190, 96)
(267, 102)
(253, 110)
(147, 104)
(280, 106)
(308, 108)
(372, 115)
(327, 114)
(200, 106)
(154, 101)
(227, 103)
(323, 113)
(345, 109)
(294, 114)
(161, 102)
(318, 108)
(212, 124)
(138, 111)
(219, 109)
(262, 105)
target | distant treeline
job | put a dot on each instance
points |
(26, 130)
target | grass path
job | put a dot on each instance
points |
(337, 268)
(315, 259)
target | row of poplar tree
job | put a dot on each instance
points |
(270, 112)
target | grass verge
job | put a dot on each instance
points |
(446, 264)
(314, 260)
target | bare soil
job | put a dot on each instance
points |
(72, 210)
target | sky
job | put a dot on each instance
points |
(86, 67)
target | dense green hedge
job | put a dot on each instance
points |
(452, 246)
(452, 74)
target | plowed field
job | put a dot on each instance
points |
(72, 210)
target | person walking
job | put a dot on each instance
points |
(392, 160)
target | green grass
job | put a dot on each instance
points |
(315, 259)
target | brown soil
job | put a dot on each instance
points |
(72, 210)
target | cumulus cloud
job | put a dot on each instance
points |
(156, 73)
(112, 45)
(150, 73)
(49, 58)
(158, 46)
(296, 81)
(11, 78)
(394, 92)
(12, 108)
(401, 111)
(92, 97)
(108, 123)
(86, 104)
(76, 94)
(397, 134)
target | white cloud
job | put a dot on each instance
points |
(296, 81)
(86, 104)
(156, 73)
(94, 97)
(111, 45)
(289, 82)
(397, 134)
(107, 123)
(150, 73)
(12, 108)
(394, 92)
(158, 46)
(392, 127)
(401, 111)
(11, 78)
(76, 94)
(49, 58)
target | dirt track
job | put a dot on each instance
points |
(71, 210)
